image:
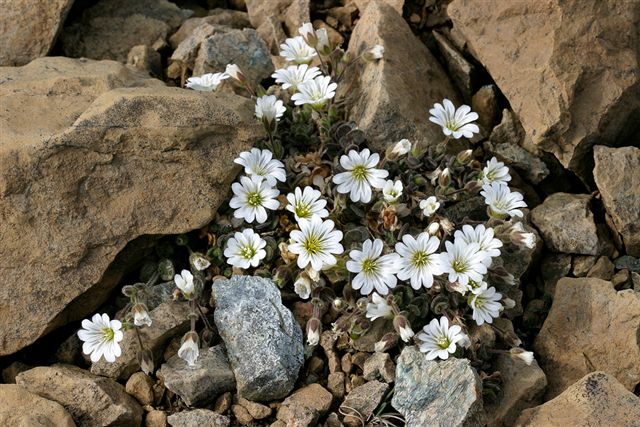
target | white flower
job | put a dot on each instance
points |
(360, 175)
(502, 201)
(526, 356)
(429, 206)
(378, 308)
(261, 163)
(184, 282)
(521, 237)
(252, 197)
(486, 305)
(316, 242)
(100, 337)
(314, 327)
(306, 203)
(392, 191)
(302, 286)
(439, 339)
(199, 261)
(462, 262)
(189, 350)
(401, 148)
(485, 239)
(376, 52)
(294, 75)
(269, 108)
(315, 92)
(402, 327)
(141, 315)
(234, 72)
(373, 270)
(418, 262)
(454, 122)
(297, 50)
(206, 82)
(495, 171)
(323, 46)
(245, 249)
(406, 333)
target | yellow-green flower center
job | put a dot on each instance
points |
(419, 259)
(303, 210)
(369, 266)
(254, 199)
(359, 172)
(443, 342)
(459, 266)
(108, 334)
(312, 245)
(247, 252)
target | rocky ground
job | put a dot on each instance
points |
(105, 158)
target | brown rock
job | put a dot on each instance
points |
(379, 367)
(367, 341)
(155, 418)
(145, 59)
(10, 373)
(602, 269)
(242, 414)
(223, 403)
(596, 399)
(140, 386)
(110, 28)
(328, 342)
(554, 267)
(582, 264)
(20, 408)
(568, 87)
(621, 280)
(346, 363)
(485, 103)
(396, 4)
(29, 29)
(257, 410)
(91, 400)
(361, 402)
(102, 168)
(281, 15)
(523, 386)
(388, 99)
(617, 178)
(335, 384)
(590, 327)
(461, 71)
(305, 406)
(567, 225)
(198, 418)
(226, 17)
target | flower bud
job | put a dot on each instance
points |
(399, 149)
(235, 73)
(463, 157)
(522, 354)
(387, 342)
(522, 238)
(282, 276)
(145, 359)
(446, 225)
(374, 53)
(444, 179)
(199, 261)
(141, 315)
(339, 304)
(473, 186)
(308, 34)
(314, 327)
(402, 327)
(302, 286)
(433, 228)
(129, 291)
(166, 269)
(508, 303)
(190, 350)
(324, 45)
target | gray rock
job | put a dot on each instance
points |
(628, 262)
(198, 418)
(360, 403)
(203, 383)
(436, 393)
(168, 320)
(110, 28)
(567, 224)
(187, 51)
(226, 17)
(529, 166)
(509, 131)
(244, 48)
(554, 267)
(379, 366)
(91, 400)
(462, 72)
(29, 29)
(263, 340)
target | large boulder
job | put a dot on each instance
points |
(110, 28)
(568, 68)
(21, 408)
(263, 340)
(390, 99)
(597, 399)
(617, 175)
(29, 29)
(85, 169)
(590, 327)
(276, 19)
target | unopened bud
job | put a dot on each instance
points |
(129, 291)
(141, 315)
(166, 269)
(522, 354)
(387, 342)
(399, 149)
(374, 53)
(339, 304)
(314, 327)
(145, 359)
(447, 225)
(508, 303)
(302, 286)
(308, 34)
(402, 327)
(282, 276)
(473, 186)
(235, 73)
(433, 228)
(324, 45)
(463, 157)
(444, 179)
(522, 238)
(199, 261)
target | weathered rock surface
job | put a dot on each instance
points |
(430, 393)
(569, 69)
(596, 399)
(529, 166)
(590, 327)
(20, 408)
(618, 178)
(361, 402)
(198, 418)
(275, 19)
(263, 340)
(140, 386)
(304, 407)
(462, 72)
(203, 383)
(379, 367)
(388, 99)
(85, 169)
(91, 400)
(168, 320)
(567, 224)
(227, 17)
(522, 387)
(110, 28)
(29, 29)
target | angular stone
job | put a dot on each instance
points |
(596, 399)
(241, 415)
(168, 320)
(485, 103)
(226, 17)
(29, 29)
(140, 386)
(20, 408)
(110, 28)
(244, 48)
(522, 387)
(91, 400)
(567, 224)
(202, 384)
(265, 359)
(554, 267)
(582, 264)
(585, 315)
(361, 402)
(617, 177)
(434, 393)
(602, 269)
(257, 410)
(379, 367)
(145, 59)
(198, 418)
(304, 407)
(187, 51)
(335, 384)
(155, 418)
(553, 52)
(628, 262)
(461, 71)
(388, 99)
(85, 169)
(526, 164)
(280, 15)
